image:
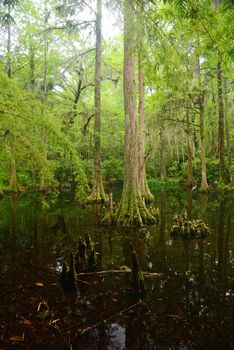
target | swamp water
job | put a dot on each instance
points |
(189, 303)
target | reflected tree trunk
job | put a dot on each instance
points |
(13, 208)
(220, 247)
(162, 226)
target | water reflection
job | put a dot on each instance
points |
(189, 306)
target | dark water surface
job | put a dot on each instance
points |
(190, 305)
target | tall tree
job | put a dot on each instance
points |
(163, 170)
(98, 193)
(201, 104)
(143, 185)
(190, 178)
(132, 210)
(7, 20)
(223, 171)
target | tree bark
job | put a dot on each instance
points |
(73, 114)
(13, 186)
(143, 186)
(98, 193)
(222, 170)
(46, 17)
(132, 210)
(190, 178)
(163, 171)
(229, 154)
(32, 68)
(9, 42)
(201, 103)
(204, 185)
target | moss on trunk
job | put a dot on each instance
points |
(98, 194)
(132, 210)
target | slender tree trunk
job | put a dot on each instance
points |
(98, 193)
(163, 171)
(132, 210)
(222, 169)
(42, 185)
(204, 185)
(143, 186)
(201, 103)
(229, 154)
(190, 178)
(46, 17)
(32, 68)
(13, 186)
(9, 68)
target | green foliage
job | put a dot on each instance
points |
(82, 186)
(46, 134)
(25, 179)
(113, 169)
(172, 169)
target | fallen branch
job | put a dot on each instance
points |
(106, 272)
(84, 282)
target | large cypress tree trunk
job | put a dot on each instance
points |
(98, 193)
(143, 186)
(132, 210)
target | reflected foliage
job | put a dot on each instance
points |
(189, 305)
